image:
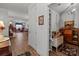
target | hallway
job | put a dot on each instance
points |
(34, 30)
(19, 44)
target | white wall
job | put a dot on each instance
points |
(77, 16)
(39, 34)
(55, 17)
(68, 15)
(18, 15)
(32, 26)
(43, 31)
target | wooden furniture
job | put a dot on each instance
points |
(4, 43)
(76, 36)
(70, 41)
(71, 36)
(56, 42)
(68, 35)
(5, 47)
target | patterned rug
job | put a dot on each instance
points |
(25, 54)
(70, 50)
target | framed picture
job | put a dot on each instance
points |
(71, 23)
(41, 20)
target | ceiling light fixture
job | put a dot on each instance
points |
(73, 10)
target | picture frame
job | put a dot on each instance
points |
(41, 20)
(71, 23)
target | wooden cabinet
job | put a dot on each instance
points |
(68, 35)
(56, 42)
(5, 47)
(71, 36)
(5, 51)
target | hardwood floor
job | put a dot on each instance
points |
(19, 44)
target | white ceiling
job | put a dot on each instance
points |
(23, 7)
(17, 7)
(59, 7)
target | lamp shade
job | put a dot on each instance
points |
(1, 26)
(1, 30)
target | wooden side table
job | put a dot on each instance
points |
(5, 47)
(56, 42)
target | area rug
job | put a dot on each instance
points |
(70, 50)
(25, 54)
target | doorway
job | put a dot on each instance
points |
(61, 32)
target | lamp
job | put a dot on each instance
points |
(1, 30)
(1, 26)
